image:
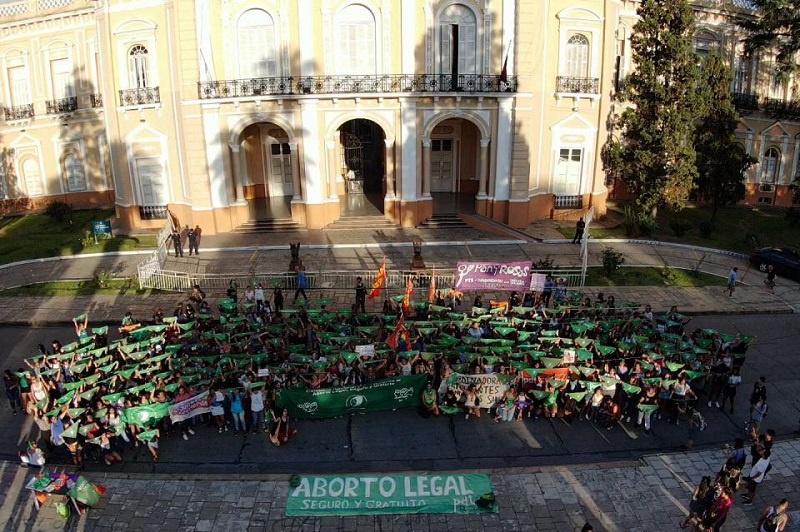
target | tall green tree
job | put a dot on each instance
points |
(721, 160)
(654, 155)
(773, 25)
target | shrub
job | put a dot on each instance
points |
(630, 221)
(793, 216)
(544, 264)
(752, 240)
(638, 223)
(612, 260)
(706, 228)
(647, 225)
(87, 239)
(679, 227)
(102, 278)
(60, 212)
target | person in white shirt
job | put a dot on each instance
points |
(256, 410)
(756, 476)
(259, 295)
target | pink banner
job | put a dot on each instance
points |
(507, 276)
(189, 408)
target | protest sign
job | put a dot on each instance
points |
(386, 394)
(537, 282)
(508, 276)
(189, 408)
(389, 494)
(365, 350)
(491, 387)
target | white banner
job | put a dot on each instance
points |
(366, 350)
(491, 387)
(190, 408)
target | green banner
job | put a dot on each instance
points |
(390, 494)
(386, 394)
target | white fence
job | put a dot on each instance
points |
(155, 277)
(151, 266)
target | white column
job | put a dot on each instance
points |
(426, 168)
(408, 144)
(312, 155)
(332, 170)
(214, 157)
(483, 165)
(408, 37)
(305, 12)
(390, 169)
(784, 156)
(503, 145)
(297, 191)
(236, 167)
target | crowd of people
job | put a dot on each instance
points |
(581, 358)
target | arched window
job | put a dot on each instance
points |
(769, 166)
(355, 31)
(458, 36)
(138, 73)
(705, 44)
(577, 65)
(32, 177)
(258, 56)
(73, 169)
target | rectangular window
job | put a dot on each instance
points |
(61, 76)
(151, 179)
(18, 83)
(567, 180)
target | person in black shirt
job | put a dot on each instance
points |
(361, 295)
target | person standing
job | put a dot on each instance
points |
(361, 295)
(11, 383)
(759, 393)
(194, 242)
(580, 226)
(547, 290)
(733, 278)
(177, 243)
(259, 297)
(256, 410)
(301, 283)
(756, 477)
(774, 518)
(770, 280)
(729, 390)
(277, 298)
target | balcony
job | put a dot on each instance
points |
(570, 85)
(778, 108)
(142, 96)
(568, 202)
(153, 212)
(19, 112)
(96, 100)
(395, 83)
(62, 105)
(744, 102)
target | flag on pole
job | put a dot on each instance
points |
(504, 71)
(380, 280)
(432, 289)
(400, 331)
(409, 293)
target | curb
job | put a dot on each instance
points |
(653, 243)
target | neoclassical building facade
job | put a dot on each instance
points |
(227, 111)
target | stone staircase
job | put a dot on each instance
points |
(448, 220)
(270, 225)
(349, 223)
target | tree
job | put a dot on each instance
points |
(654, 156)
(721, 160)
(774, 25)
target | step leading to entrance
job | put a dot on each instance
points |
(270, 225)
(349, 223)
(444, 220)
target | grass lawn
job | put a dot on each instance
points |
(638, 276)
(35, 236)
(732, 224)
(115, 287)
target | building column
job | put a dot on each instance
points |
(236, 160)
(426, 168)
(483, 163)
(331, 146)
(389, 164)
(297, 192)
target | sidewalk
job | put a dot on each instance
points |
(651, 495)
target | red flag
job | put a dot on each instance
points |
(504, 72)
(432, 289)
(400, 330)
(409, 293)
(380, 280)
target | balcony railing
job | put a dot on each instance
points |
(97, 100)
(395, 83)
(153, 212)
(568, 202)
(19, 112)
(778, 108)
(62, 105)
(577, 85)
(744, 102)
(142, 96)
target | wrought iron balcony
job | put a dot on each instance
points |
(744, 102)
(62, 105)
(19, 112)
(142, 96)
(153, 212)
(578, 85)
(778, 108)
(568, 202)
(97, 100)
(394, 83)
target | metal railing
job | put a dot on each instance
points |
(325, 281)
(19, 112)
(568, 202)
(62, 105)
(29, 8)
(153, 212)
(141, 96)
(577, 85)
(390, 83)
(151, 266)
(778, 108)
(744, 101)
(96, 100)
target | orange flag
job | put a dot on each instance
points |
(400, 331)
(380, 280)
(409, 293)
(432, 289)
